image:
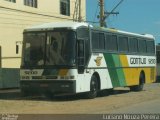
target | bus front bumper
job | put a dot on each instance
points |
(43, 86)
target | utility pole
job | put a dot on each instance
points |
(80, 15)
(102, 17)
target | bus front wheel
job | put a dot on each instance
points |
(93, 88)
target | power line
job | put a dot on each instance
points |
(112, 12)
(104, 15)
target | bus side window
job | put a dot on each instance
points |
(111, 42)
(142, 48)
(101, 41)
(133, 45)
(95, 40)
(123, 43)
(150, 47)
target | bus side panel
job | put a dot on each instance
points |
(132, 71)
(105, 79)
(83, 80)
(115, 70)
(97, 64)
(132, 75)
(150, 74)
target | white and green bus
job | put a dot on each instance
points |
(71, 58)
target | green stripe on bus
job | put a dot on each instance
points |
(115, 71)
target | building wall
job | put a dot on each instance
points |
(14, 17)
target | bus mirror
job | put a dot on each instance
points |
(81, 56)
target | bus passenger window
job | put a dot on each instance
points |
(142, 46)
(101, 41)
(111, 42)
(133, 45)
(95, 40)
(123, 44)
(150, 47)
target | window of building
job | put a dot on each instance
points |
(65, 7)
(17, 49)
(14, 1)
(123, 44)
(31, 3)
(133, 45)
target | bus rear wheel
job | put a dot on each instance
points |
(141, 84)
(93, 88)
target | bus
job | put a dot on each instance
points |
(64, 58)
(158, 62)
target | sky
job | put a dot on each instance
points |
(138, 16)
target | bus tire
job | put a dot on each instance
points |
(141, 84)
(93, 88)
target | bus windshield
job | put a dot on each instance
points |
(49, 48)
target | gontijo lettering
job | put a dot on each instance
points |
(137, 60)
(142, 61)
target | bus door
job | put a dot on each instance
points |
(83, 50)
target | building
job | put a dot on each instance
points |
(15, 15)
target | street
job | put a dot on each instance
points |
(150, 107)
(121, 101)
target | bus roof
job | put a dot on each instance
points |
(75, 25)
(52, 25)
(113, 30)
